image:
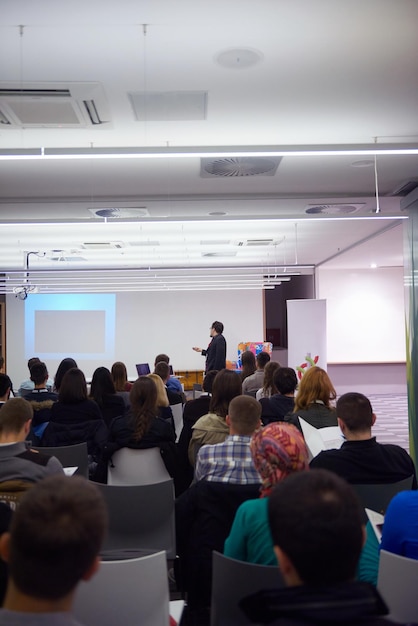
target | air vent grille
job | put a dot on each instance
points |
(239, 167)
(333, 209)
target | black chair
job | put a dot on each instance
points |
(377, 496)
(74, 455)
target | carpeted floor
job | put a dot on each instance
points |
(391, 418)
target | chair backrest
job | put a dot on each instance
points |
(136, 467)
(177, 410)
(232, 580)
(74, 455)
(140, 516)
(131, 591)
(398, 583)
(197, 390)
(377, 497)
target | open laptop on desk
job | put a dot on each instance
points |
(143, 369)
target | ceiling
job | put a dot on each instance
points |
(190, 205)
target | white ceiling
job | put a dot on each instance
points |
(329, 72)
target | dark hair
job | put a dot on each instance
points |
(208, 380)
(32, 361)
(162, 357)
(248, 364)
(355, 411)
(285, 380)
(143, 399)
(226, 386)
(1, 361)
(38, 373)
(59, 521)
(316, 519)
(101, 385)
(65, 365)
(262, 359)
(119, 375)
(73, 387)
(245, 413)
(5, 384)
(162, 369)
(218, 327)
(269, 386)
(14, 414)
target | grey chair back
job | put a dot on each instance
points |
(74, 455)
(232, 581)
(141, 516)
(129, 466)
(398, 583)
(377, 497)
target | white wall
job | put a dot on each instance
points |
(150, 323)
(365, 314)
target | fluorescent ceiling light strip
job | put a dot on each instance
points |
(208, 152)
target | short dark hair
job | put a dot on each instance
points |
(316, 519)
(1, 361)
(218, 327)
(38, 373)
(285, 380)
(14, 414)
(226, 386)
(162, 369)
(162, 357)
(73, 387)
(5, 384)
(32, 361)
(262, 359)
(56, 533)
(208, 380)
(355, 411)
(245, 413)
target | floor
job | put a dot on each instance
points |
(391, 412)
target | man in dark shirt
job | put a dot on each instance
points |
(280, 404)
(215, 353)
(361, 460)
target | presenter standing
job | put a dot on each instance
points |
(215, 353)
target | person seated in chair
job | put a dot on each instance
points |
(5, 388)
(40, 398)
(172, 383)
(53, 544)
(316, 524)
(253, 383)
(361, 459)
(280, 404)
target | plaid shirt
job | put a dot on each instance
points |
(227, 462)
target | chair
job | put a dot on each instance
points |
(232, 580)
(197, 390)
(70, 456)
(140, 516)
(136, 467)
(398, 583)
(177, 410)
(377, 497)
(128, 591)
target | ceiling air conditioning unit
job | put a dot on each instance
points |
(53, 105)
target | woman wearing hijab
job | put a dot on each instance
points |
(277, 451)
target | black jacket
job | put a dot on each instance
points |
(215, 353)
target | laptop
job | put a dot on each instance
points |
(142, 369)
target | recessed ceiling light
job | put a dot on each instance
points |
(238, 58)
(363, 163)
(373, 266)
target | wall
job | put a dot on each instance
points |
(149, 323)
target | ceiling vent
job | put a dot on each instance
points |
(404, 188)
(52, 105)
(239, 167)
(168, 106)
(219, 254)
(102, 245)
(258, 242)
(120, 213)
(333, 209)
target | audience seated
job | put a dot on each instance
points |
(278, 450)
(40, 398)
(172, 383)
(316, 525)
(54, 540)
(275, 408)
(140, 428)
(162, 370)
(120, 377)
(19, 465)
(248, 364)
(75, 418)
(254, 382)
(313, 400)
(102, 391)
(212, 428)
(193, 409)
(361, 459)
(230, 461)
(5, 388)
(163, 405)
(65, 365)
(28, 385)
(268, 388)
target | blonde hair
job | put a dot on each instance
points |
(315, 385)
(162, 398)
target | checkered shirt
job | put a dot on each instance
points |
(227, 462)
